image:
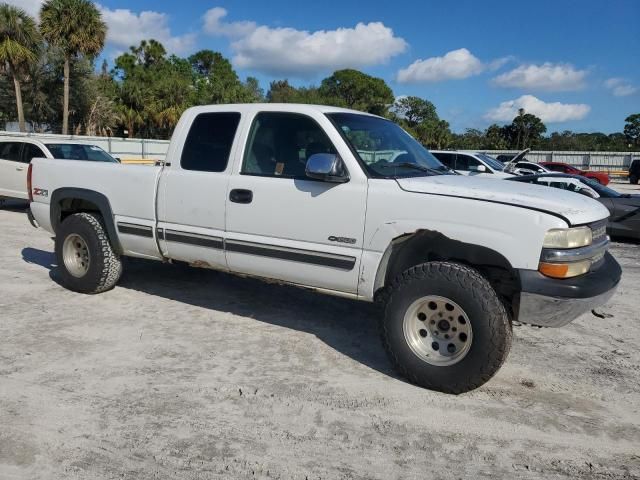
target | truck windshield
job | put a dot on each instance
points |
(79, 151)
(385, 149)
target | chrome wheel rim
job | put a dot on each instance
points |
(437, 330)
(75, 254)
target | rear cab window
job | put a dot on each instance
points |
(208, 144)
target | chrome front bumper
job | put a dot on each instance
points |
(556, 311)
(549, 302)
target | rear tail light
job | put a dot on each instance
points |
(29, 188)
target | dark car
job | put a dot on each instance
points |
(624, 209)
(634, 172)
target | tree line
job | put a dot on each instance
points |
(48, 82)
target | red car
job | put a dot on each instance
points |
(600, 177)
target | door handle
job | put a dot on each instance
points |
(20, 169)
(239, 195)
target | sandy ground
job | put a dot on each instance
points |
(194, 374)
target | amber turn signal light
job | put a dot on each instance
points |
(564, 270)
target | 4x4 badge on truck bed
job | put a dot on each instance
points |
(342, 239)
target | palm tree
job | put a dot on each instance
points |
(76, 28)
(19, 46)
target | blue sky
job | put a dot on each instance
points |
(576, 64)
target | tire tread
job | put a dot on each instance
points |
(482, 291)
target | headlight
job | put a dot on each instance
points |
(567, 237)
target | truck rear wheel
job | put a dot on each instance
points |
(86, 260)
(445, 328)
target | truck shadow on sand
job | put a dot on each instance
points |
(348, 326)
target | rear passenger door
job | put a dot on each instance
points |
(13, 172)
(193, 190)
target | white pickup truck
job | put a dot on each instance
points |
(309, 195)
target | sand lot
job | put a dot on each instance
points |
(194, 374)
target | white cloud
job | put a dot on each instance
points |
(551, 112)
(32, 7)
(288, 51)
(548, 76)
(127, 28)
(214, 24)
(620, 87)
(454, 65)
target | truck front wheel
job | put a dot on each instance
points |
(445, 328)
(86, 260)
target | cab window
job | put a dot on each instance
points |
(280, 144)
(208, 144)
(31, 151)
(10, 151)
(447, 159)
(465, 162)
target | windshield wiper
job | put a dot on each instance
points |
(415, 166)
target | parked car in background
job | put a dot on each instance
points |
(634, 172)
(471, 163)
(527, 168)
(519, 165)
(16, 154)
(347, 203)
(624, 209)
(601, 177)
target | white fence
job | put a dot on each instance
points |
(138, 148)
(125, 148)
(582, 160)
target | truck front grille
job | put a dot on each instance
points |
(599, 230)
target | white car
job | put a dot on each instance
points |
(345, 203)
(519, 165)
(16, 154)
(471, 163)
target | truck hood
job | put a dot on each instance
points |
(575, 208)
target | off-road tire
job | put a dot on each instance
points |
(105, 266)
(466, 287)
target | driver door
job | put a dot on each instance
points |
(284, 225)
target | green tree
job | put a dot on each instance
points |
(434, 134)
(415, 110)
(494, 138)
(77, 29)
(357, 90)
(19, 47)
(632, 129)
(526, 130)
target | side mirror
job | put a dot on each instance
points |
(326, 167)
(478, 168)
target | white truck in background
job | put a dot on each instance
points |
(295, 193)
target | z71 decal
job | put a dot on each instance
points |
(40, 192)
